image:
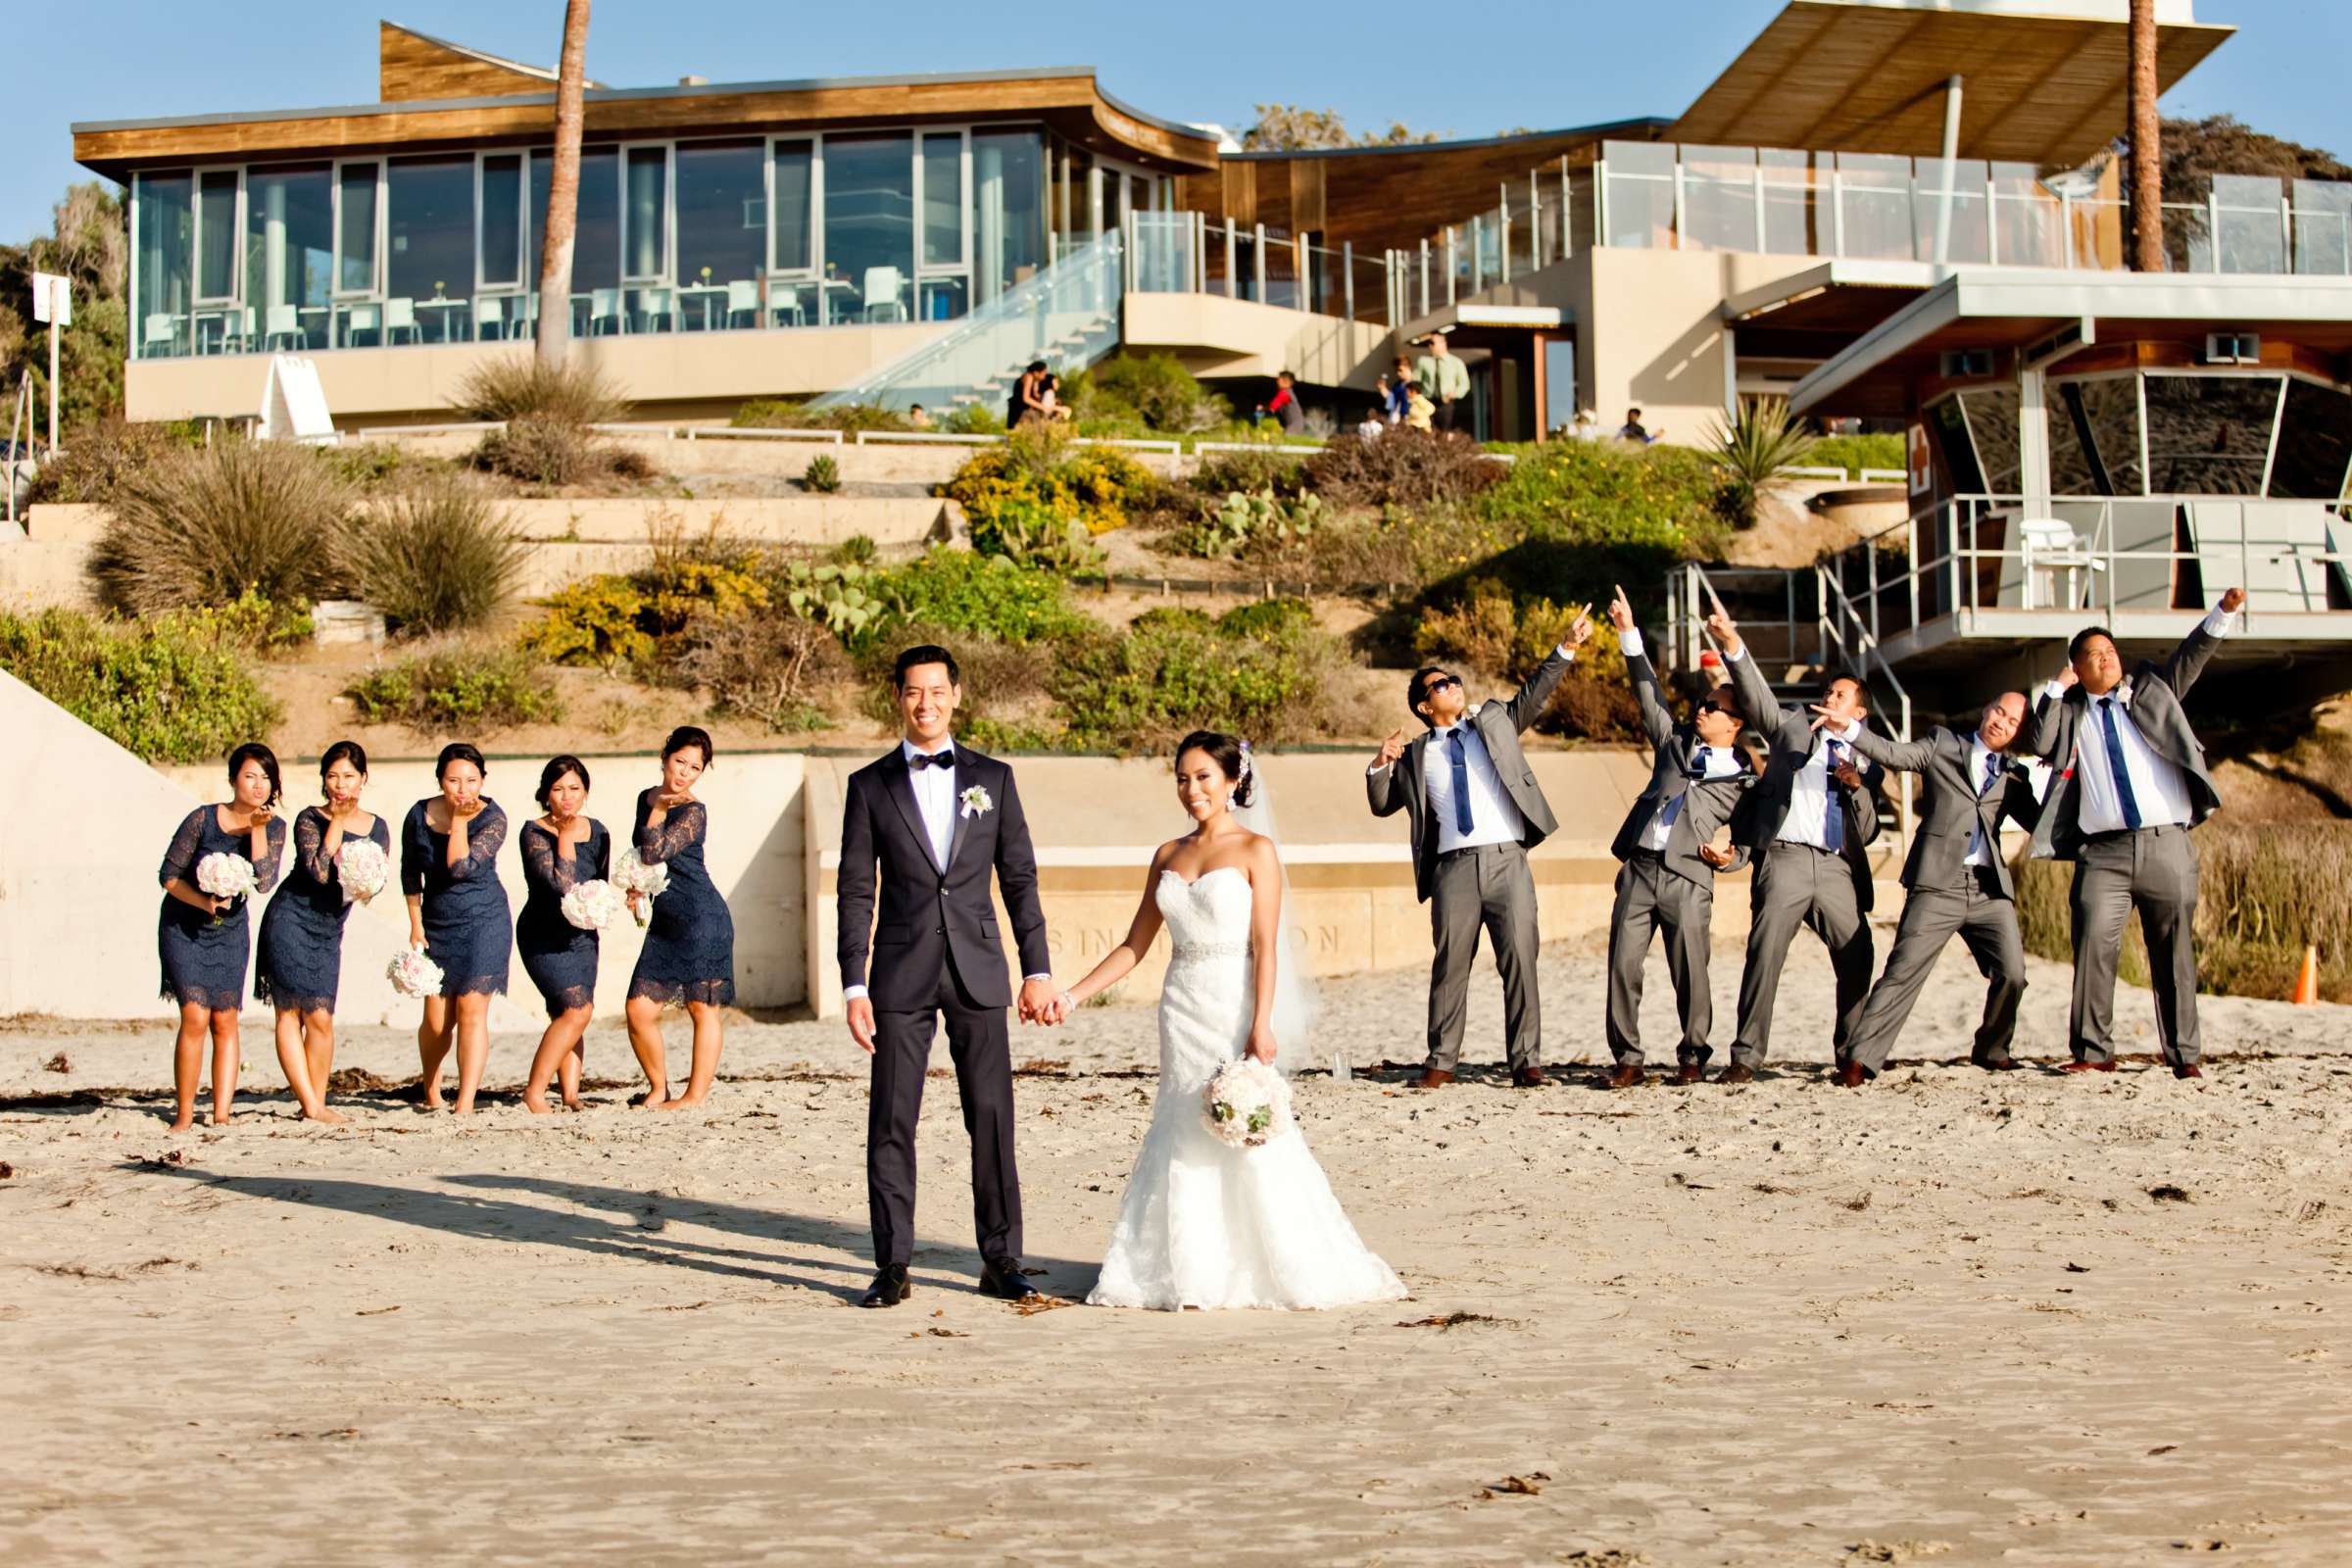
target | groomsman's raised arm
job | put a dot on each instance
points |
(1525, 704)
(2188, 660)
(1656, 722)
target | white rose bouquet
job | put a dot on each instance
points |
(363, 870)
(413, 974)
(632, 875)
(1247, 1104)
(225, 876)
(593, 905)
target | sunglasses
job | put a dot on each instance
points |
(1438, 683)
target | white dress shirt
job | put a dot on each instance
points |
(2159, 789)
(935, 799)
(1719, 762)
(1980, 853)
(1810, 800)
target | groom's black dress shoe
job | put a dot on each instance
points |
(1001, 1277)
(889, 1289)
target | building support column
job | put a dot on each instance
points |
(1951, 160)
(1542, 362)
(2034, 443)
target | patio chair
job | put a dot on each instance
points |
(163, 333)
(881, 293)
(284, 329)
(604, 307)
(400, 315)
(657, 304)
(357, 319)
(489, 320)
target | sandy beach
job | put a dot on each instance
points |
(2025, 1319)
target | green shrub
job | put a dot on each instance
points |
(544, 451)
(1254, 523)
(175, 688)
(201, 526)
(2263, 893)
(1031, 533)
(517, 387)
(1153, 391)
(595, 621)
(1278, 469)
(1401, 467)
(824, 476)
(1854, 453)
(1502, 637)
(1174, 618)
(368, 467)
(477, 687)
(1268, 619)
(1150, 686)
(1758, 444)
(858, 550)
(964, 592)
(1019, 496)
(437, 558)
(845, 601)
(97, 461)
(973, 418)
(786, 414)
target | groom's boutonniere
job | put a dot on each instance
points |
(976, 801)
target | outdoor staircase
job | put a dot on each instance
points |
(1067, 313)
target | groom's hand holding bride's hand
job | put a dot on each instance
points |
(1037, 997)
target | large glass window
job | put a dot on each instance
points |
(502, 221)
(722, 228)
(289, 255)
(596, 237)
(1992, 415)
(793, 187)
(1009, 226)
(945, 287)
(355, 230)
(2209, 435)
(428, 267)
(166, 207)
(217, 235)
(869, 227)
(2106, 417)
(2315, 443)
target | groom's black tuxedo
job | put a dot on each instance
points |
(935, 951)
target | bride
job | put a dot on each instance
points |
(1204, 1224)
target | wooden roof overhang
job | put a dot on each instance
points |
(1066, 98)
(2305, 322)
(1832, 75)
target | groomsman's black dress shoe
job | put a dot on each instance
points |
(2090, 1066)
(1001, 1277)
(889, 1289)
(1691, 1072)
(1737, 1073)
(1627, 1076)
(2188, 1069)
(1432, 1078)
(1852, 1075)
(1528, 1077)
(2003, 1062)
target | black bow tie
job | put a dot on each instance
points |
(920, 760)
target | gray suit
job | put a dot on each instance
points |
(2153, 869)
(1488, 887)
(1670, 890)
(1794, 884)
(1945, 896)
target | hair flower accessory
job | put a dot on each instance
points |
(975, 802)
(1248, 765)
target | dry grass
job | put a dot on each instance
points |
(438, 556)
(517, 387)
(202, 526)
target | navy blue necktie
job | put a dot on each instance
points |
(1461, 783)
(1993, 771)
(2115, 765)
(1695, 773)
(1833, 813)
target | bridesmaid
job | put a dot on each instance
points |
(302, 931)
(561, 851)
(689, 953)
(458, 915)
(202, 941)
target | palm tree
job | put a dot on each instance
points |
(2147, 160)
(1758, 444)
(563, 190)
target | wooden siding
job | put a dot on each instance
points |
(410, 67)
(1836, 77)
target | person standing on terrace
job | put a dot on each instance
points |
(1445, 378)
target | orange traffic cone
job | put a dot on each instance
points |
(2307, 983)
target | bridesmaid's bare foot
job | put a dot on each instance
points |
(219, 1118)
(654, 1100)
(574, 1103)
(185, 1124)
(685, 1102)
(434, 1102)
(535, 1100)
(326, 1114)
(464, 1105)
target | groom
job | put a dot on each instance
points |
(1475, 810)
(936, 819)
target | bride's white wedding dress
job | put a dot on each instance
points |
(1204, 1224)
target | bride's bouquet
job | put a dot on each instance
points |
(593, 905)
(1247, 1104)
(363, 870)
(413, 974)
(225, 876)
(632, 875)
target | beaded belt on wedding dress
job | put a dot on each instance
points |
(1195, 951)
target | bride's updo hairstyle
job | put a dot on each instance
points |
(1230, 753)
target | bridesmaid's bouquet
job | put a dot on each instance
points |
(363, 870)
(225, 876)
(593, 905)
(1247, 1104)
(632, 875)
(413, 974)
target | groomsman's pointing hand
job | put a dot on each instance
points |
(1725, 632)
(1621, 612)
(1580, 631)
(2234, 601)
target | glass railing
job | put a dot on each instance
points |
(1189, 253)
(1066, 315)
(1537, 221)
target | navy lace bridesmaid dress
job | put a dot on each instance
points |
(301, 963)
(689, 953)
(203, 958)
(557, 955)
(467, 930)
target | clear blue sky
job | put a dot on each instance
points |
(1541, 63)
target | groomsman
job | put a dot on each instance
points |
(1466, 788)
(1956, 880)
(1805, 822)
(1669, 859)
(2133, 784)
